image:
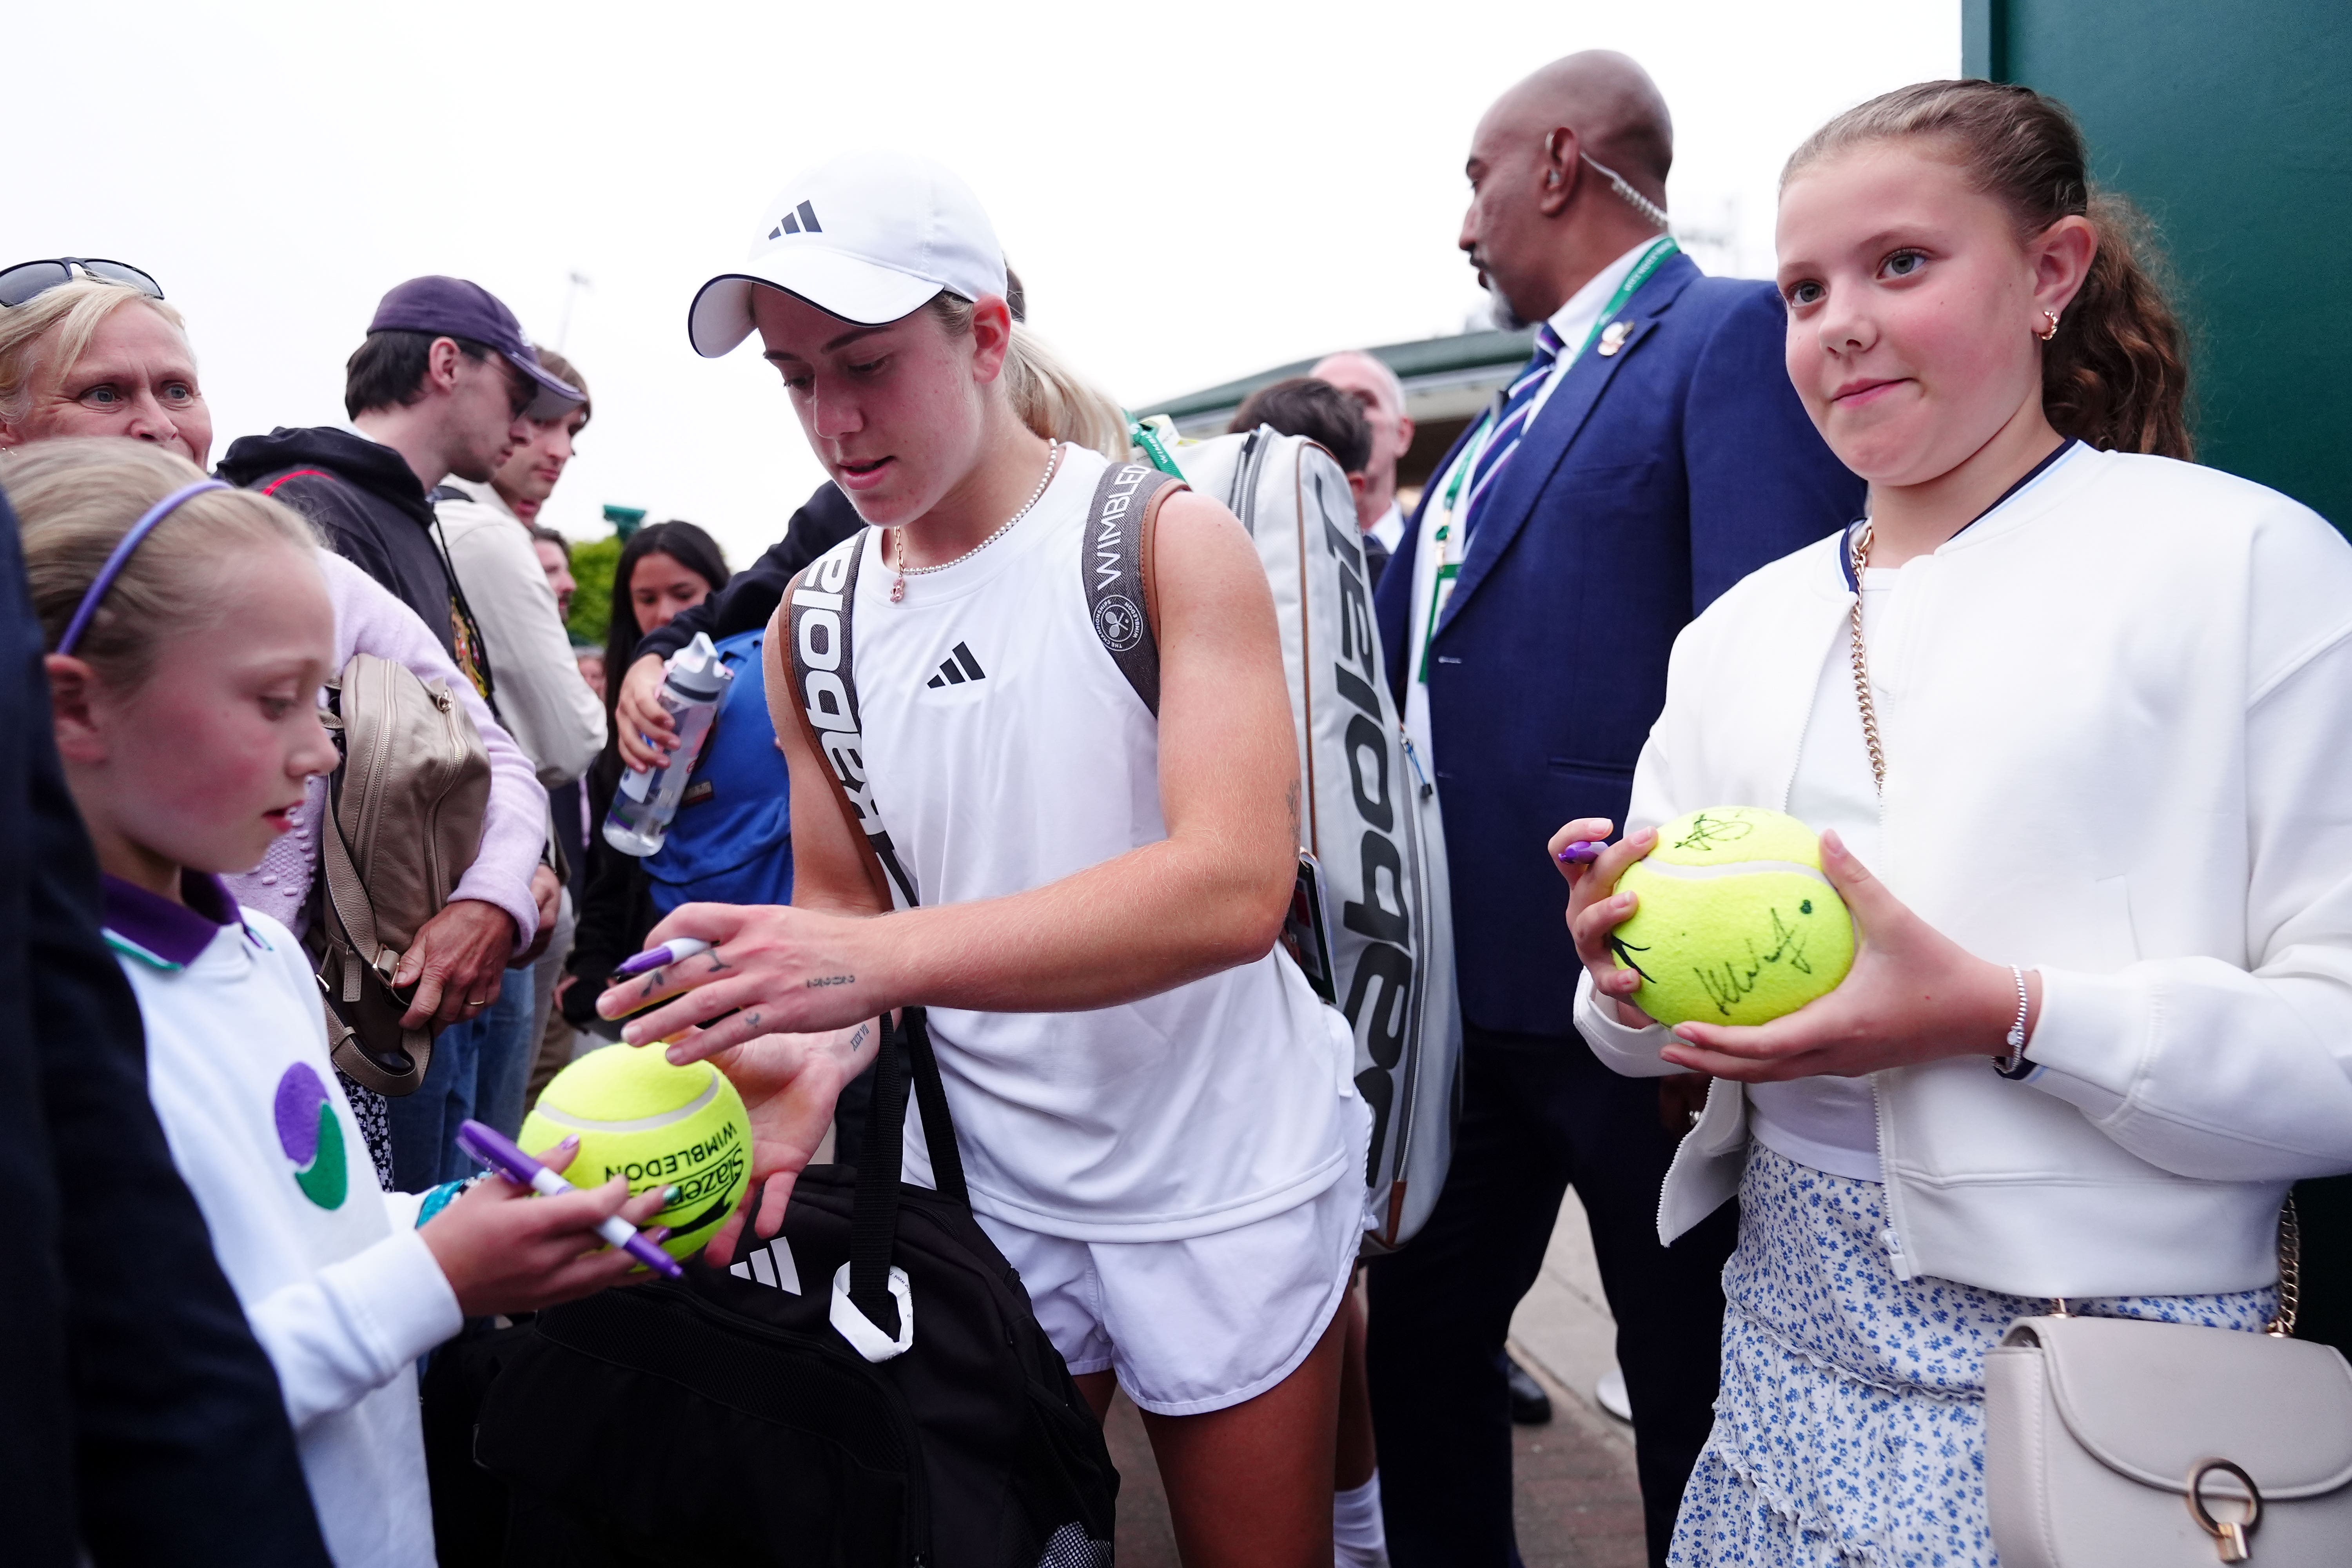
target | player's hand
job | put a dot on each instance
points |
(772, 969)
(637, 713)
(1913, 996)
(504, 1248)
(1596, 909)
(455, 962)
(789, 1084)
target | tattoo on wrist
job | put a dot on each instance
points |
(817, 981)
(849, 1048)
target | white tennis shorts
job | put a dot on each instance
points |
(1200, 1324)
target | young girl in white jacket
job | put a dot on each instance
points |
(189, 631)
(2071, 713)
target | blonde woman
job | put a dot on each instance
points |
(1153, 1109)
(85, 352)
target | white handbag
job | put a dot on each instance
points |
(2109, 1441)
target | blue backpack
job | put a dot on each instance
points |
(731, 842)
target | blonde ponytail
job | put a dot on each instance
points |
(1052, 400)
(1056, 403)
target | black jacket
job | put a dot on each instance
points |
(752, 595)
(365, 498)
(137, 1415)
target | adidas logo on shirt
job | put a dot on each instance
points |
(802, 219)
(956, 669)
(772, 1265)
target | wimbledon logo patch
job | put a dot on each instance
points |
(312, 1137)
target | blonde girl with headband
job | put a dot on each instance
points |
(2072, 712)
(1154, 1111)
(189, 631)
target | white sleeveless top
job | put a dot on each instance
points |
(1005, 751)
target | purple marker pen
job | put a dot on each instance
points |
(677, 950)
(1583, 852)
(494, 1149)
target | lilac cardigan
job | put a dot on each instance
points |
(368, 619)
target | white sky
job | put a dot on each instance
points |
(1192, 193)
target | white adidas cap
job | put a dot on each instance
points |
(868, 236)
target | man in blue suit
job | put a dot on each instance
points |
(1650, 454)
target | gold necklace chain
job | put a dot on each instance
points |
(1861, 556)
(898, 536)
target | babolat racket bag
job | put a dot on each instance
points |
(1370, 821)
(869, 1388)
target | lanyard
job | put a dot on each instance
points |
(1649, 262)
(1442, 588)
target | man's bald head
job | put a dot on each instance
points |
(1611, 104)
(1541, 218)
(1376, 387)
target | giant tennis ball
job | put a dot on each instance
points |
(1736, 924)
(639, 1116)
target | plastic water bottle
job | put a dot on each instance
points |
(645, 802)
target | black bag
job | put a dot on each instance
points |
(725, 1418)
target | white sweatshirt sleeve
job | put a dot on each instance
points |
(2200, 1067)
(338, 1334)
(1622, 1048)
(555, 718)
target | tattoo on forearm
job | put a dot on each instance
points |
(830, 980)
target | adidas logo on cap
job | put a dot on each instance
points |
(896, 230)
(956, 669)
(800, 219)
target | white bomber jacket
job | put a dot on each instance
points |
(2118, 737)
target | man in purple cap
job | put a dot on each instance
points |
(443, 384)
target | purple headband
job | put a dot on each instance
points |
(114, 562)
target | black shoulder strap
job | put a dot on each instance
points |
(825, 683)
(1115, 561)
(874, 1220)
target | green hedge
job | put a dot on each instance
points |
(592, 603)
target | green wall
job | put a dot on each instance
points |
(2232, 127)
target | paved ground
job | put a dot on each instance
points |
(1578, 1506)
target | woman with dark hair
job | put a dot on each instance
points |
(666, 569)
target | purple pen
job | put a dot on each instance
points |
(677, 950)
(494, 1149)
(1583, 852)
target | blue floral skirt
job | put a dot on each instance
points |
(1850, 1426)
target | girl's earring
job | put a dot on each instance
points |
(2052, 333)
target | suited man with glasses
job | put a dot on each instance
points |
(1650, 454)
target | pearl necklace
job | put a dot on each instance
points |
(898, 538)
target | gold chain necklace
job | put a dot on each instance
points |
(1860, 557)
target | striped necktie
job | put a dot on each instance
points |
(1518, 403)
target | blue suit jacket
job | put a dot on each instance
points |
(1652, 481)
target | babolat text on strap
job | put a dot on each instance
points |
(825, 682)
(1115, 561)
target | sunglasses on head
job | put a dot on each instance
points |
(30, 279)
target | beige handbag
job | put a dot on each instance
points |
(403, 821)
(2109, 1441)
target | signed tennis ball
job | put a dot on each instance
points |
(1736, 923)
(660, 1126)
